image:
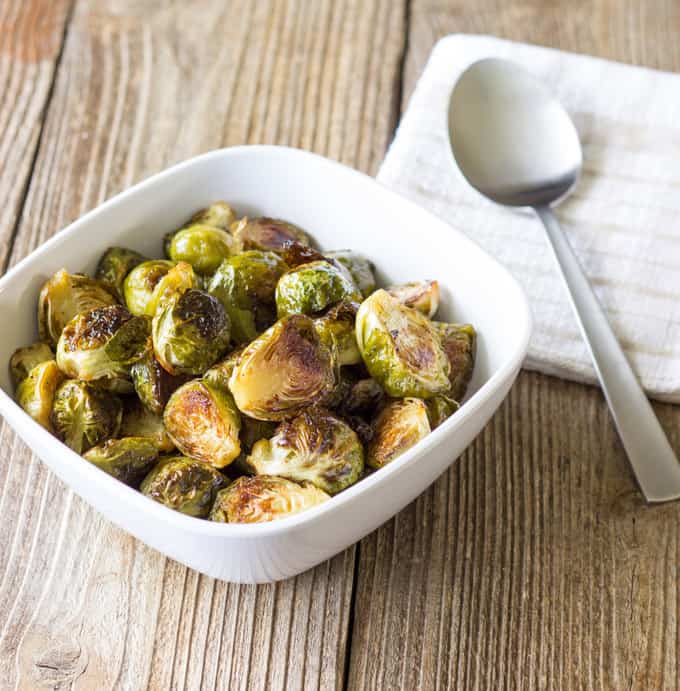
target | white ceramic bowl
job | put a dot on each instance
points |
(342, 209)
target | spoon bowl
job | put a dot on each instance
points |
(516, 145)
(512, 140)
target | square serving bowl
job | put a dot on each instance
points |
(341, 208)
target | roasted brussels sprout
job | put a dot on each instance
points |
(261, 499)
(84, 416)
(315, 446)
(63, 297)
(101, 345)
(421, 295)
(35, 392)
(311, 288)
(190, 332)
(267, 233)
(245, 285)
(295, 253)
(363, 398)
(183, 484)
(439, 408)
(143, 284)
(115, 264)
(139, 421)
(220, 374)
(202, 246)
(153, 384)
(24, 359)
(253, 430)
(400, 425)
(459, 342)
(401, 348)
(128, 459)
(336, 329)
(217, 215)
(203, 421)
(360, 268)
(283, 371)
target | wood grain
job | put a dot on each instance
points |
(532, 563)
(31, 36)
(140, 86)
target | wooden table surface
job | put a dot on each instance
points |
(531, 564)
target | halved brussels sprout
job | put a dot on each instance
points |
(400, 425)
(101, 345)
(202, 246)
(440, 408)
(24, 359)
(153, 384)
(115, 264)
(190, 332)
(84, 416)
(128, 459)
(363, 398)
(261, 499)
(283, 371)
(336, 328)
(142, 285)
(421, 295)
(360, 268)
(139, 421)
(35, 392)
(401, 348)
(315, 446)
(459, 342)
(245, 285)
(311, 288)
(183, 484)
(63, 297)
(267, 233)
(217, 215)
(204, 423)
(220, 374)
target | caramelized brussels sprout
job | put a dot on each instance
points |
(84, 416)
(295, 253)
(363, 398)
(315, 446)
(63, 297)
(143, 284)
(190, 332)
(439, 408)
(311, 288)
(267, 233)
(360, 268)
(139, 421)
(336, 329)
(152, 383)
(459, 342)
(202, 246)
(400, 425)
(183, 484)
(24, 359)
(245, 285)
(217, 215)
(203, 421)
(421, 295)
(115, 264)
(401, 348)
(128, 459)
(101, 345)
(283, 371)
(35, 392)
(261, 499)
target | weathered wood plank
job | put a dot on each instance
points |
(142, 85)
(532, 563)
(31, 36)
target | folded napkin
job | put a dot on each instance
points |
(623, 219)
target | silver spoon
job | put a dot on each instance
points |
(516, 145)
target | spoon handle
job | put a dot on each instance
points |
(655, 466)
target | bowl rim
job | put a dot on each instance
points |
(23, 423)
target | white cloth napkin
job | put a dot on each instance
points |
(623, 219)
